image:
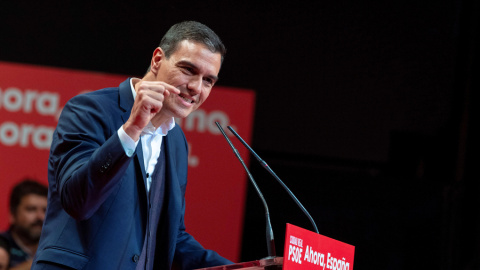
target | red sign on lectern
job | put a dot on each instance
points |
(308, 250)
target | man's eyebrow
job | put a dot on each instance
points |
(188, 63)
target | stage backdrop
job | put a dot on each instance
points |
(32, 97)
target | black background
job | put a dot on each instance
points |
(365, 110)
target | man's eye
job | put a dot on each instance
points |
(208, 81)
(188, 69)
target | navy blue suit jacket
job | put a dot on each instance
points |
(97, 203)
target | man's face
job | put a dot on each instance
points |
(193, 69)
(28, 220)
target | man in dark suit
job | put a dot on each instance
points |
(118, 165)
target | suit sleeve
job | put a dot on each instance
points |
(86, 156)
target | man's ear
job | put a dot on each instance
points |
(157, 58)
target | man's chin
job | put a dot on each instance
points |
(182, 113)
(31, 236)
(35, 238)
(34, 234)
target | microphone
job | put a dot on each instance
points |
(265, 165)
(269, 231)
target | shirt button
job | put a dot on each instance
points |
(135, 258)
(129, 152)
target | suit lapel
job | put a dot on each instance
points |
(171, 211)
(173, 186)
(139, 158)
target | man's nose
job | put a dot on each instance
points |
(195, 85)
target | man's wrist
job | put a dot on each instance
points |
(128, 143)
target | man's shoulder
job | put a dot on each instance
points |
(99, 93)
(102, 96)
(7, 235)
(16, 252)
(107, 91)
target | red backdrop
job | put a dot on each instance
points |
(31, 98)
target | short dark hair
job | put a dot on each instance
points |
(192, 31)
(24, 188)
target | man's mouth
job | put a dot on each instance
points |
(38, 223)
(189, 100)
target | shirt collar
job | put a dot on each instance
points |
(163, 129)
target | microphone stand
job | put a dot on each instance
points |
(269, 231)
(265, 165)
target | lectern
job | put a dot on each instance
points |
(303, 250)
(275, 263)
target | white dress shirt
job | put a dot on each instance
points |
(151, 139)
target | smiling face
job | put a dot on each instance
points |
(193, 69)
